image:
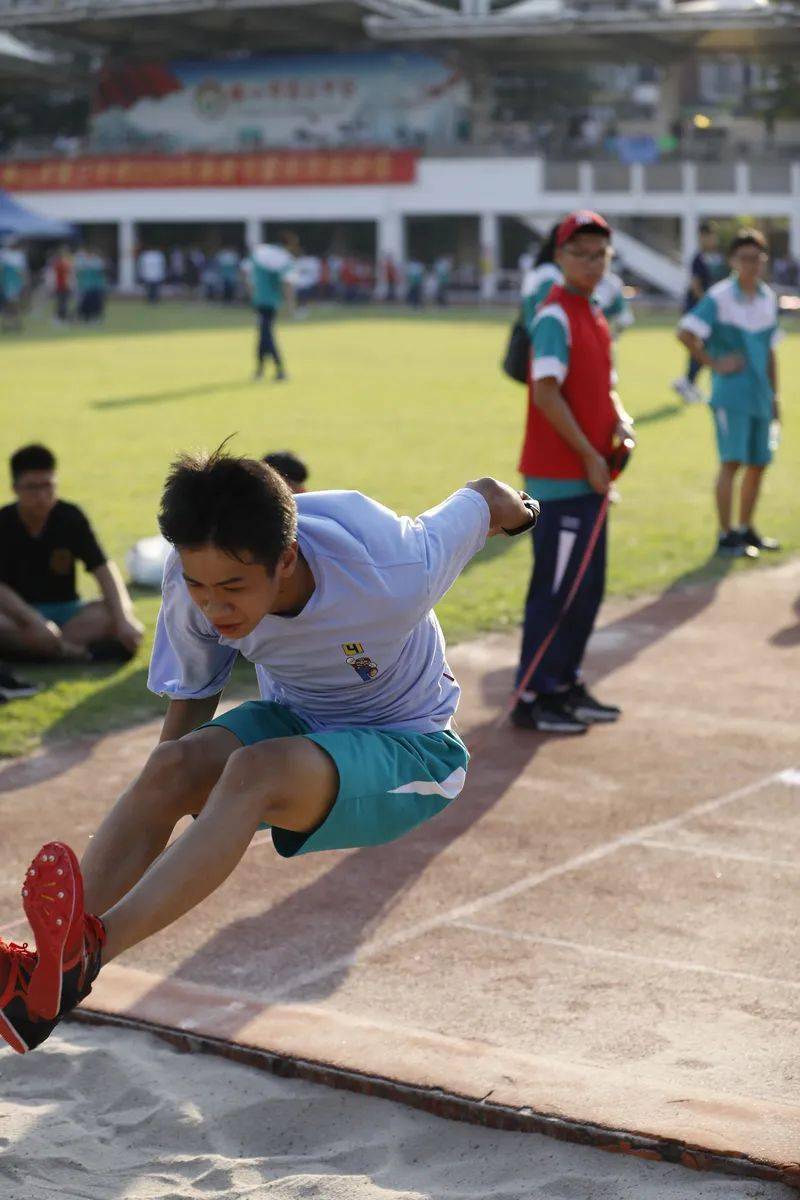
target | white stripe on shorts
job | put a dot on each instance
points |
(449, 787)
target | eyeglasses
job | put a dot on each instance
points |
(753, 257)
(584, 257)
(36, 487)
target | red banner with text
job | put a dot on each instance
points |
(273, 168)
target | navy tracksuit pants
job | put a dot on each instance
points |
(267, 346)
(559, 542)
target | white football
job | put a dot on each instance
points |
(145, 561)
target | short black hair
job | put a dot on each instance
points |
(749, 237)
(31, 458)
(287, 464)
(708, 227)
(239, 505)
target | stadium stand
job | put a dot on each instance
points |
(435, 127)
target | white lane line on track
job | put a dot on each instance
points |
(671, 964)
(790, 777)
(755, 826)
(714, 852)
(519, 887)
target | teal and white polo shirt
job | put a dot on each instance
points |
(267, 267)
(730, 322)
(536, 284)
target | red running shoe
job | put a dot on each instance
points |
(18, 1026)
(52, 896)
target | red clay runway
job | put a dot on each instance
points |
(599, 938)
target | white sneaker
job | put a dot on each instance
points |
(688, 392)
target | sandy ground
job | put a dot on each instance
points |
(116, 1115)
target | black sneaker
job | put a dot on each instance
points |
(586, 708)
(751, 537)
(733, 545)
(547, 714)
(12, 688)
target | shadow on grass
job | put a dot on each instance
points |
(660, 414)
(208, 389)
(121, 702)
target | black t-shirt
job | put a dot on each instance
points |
(42, 569)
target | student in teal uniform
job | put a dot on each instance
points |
(266, 270)
(734, 330)
(13, 278)
(90, 284)
(415, 275)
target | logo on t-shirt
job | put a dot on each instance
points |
(61, 562)
(361, 663)
(364, 667)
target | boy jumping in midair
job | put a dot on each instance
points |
(330, 595)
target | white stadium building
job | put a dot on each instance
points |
(414, 126)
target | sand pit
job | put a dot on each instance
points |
(101, 1114)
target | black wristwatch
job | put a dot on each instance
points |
(533, 509)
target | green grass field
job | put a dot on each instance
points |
(403, 407)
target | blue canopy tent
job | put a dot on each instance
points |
(17, 221)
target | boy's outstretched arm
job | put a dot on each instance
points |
(507, 510)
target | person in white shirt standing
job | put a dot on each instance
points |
(152, 267)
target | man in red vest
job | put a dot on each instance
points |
(575, 417)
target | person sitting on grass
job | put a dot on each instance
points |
(41, 537)
(292, 468)
(331, 596)
(734, 331)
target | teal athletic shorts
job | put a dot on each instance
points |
(59, 611)
(742, 438)
(389, 781)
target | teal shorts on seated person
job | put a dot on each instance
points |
(389, 781)
(60, 611)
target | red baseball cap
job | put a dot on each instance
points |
(583, 221)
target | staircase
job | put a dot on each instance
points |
(651, 266)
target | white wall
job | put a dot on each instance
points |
(443, 186)
(489, 187)
(463, 185)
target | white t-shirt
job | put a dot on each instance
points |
(367, 649)
(152, 266)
